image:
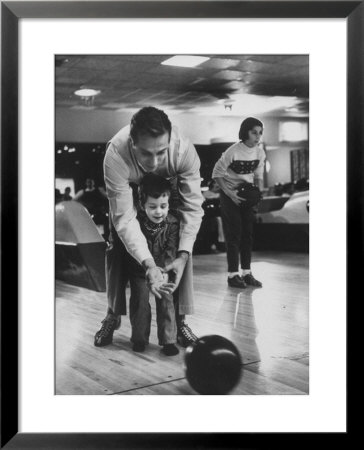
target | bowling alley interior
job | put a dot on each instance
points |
(206, 97)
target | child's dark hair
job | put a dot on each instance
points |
(149, 121)
(247, 125)
(153, 185)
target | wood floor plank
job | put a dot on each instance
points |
(251, 383)
(269, 326)
(289, 373)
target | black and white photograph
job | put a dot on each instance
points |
(182, 224)
(181, 200)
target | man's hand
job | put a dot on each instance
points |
(157, 280)
(177, 267)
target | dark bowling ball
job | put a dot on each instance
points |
(250, 193)
(213, 365)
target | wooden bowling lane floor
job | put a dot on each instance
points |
(268, 325)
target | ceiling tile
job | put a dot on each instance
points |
(229, 75)
(219, 63)
(126, 81)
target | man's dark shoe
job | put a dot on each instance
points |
(170, 350)
(251, 281)
(185, 335)
(105, 334)
(236, 281)
(138, 347)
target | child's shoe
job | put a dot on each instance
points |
(170, 350)
(138, 347)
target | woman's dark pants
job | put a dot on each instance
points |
(237, 222)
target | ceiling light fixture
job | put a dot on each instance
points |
(86, 92)
(185, 61)
(292, 109)
(87, 95)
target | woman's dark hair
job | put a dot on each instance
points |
(153, 185)
(149, 121)
(247, 125)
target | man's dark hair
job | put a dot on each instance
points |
(247, 125)
(149, 121)
(153, 185)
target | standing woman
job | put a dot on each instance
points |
(242, 162)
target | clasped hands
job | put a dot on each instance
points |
(157, 277)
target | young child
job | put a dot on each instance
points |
(161, 230)
(243, 162)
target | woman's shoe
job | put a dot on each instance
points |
(236, 281)
(251, 281)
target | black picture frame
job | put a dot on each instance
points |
(11, 12)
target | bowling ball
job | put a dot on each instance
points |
(213, 365)
(250, 193)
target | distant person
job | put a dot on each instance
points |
(161, 230)
(57, 196)
(211, 228)
(278, 189)
(243, 162)
(287, 189)
(67, 194)
(93, 198)
(302, 185)
(149, 144)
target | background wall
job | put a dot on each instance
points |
(89, 126)
(98, 126)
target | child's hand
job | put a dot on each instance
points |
(154, 278)
(158, 283)
(167, 288)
